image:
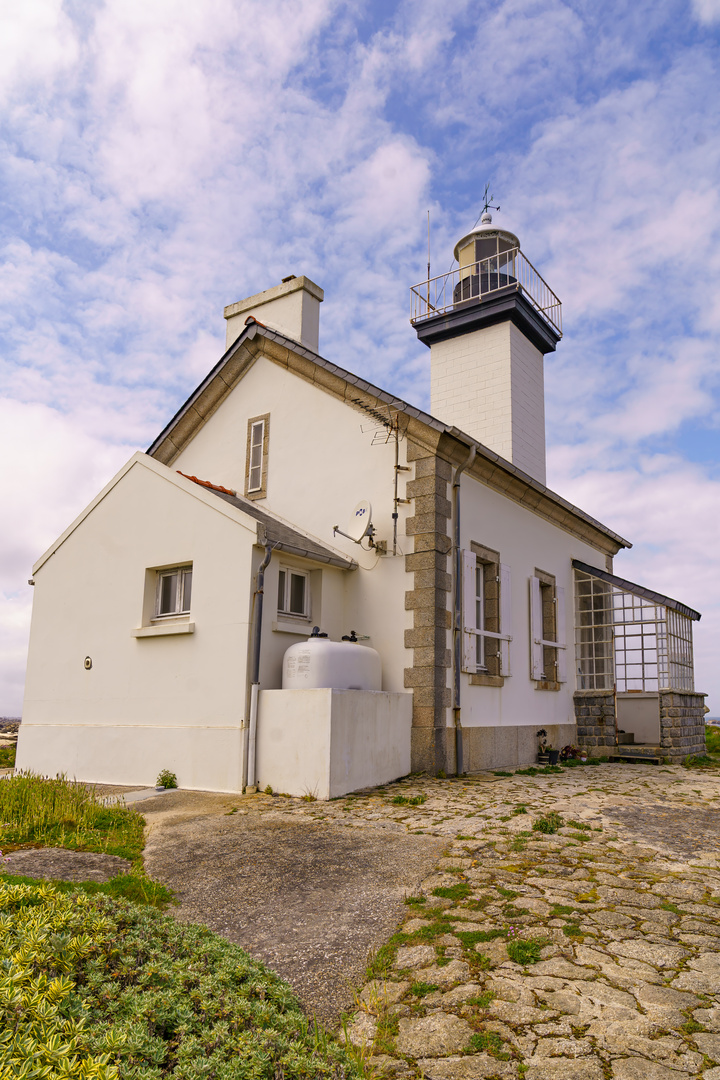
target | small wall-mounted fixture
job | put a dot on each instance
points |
(87, 663)
(31, 581)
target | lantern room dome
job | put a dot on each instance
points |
(483, 242)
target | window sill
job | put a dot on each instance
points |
(549, 685)
(287, 626)
(487, 680)
(163, 629)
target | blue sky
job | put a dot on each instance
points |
(162, 159)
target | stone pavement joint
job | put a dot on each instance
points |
(588, 953)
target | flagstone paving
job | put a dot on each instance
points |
(585, 953)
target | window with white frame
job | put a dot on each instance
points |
(174, 592)
(293, 592)
(548, 653)
(257, 457)
(486, 613)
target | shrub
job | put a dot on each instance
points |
(102, 990)
(166, 779)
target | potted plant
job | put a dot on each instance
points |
(553, 755)
(542, 746)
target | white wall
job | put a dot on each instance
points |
(490, 383)
(321, 463)
(525, 542)
(146, 704)
(329, 742)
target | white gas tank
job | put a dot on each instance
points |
(337, 665)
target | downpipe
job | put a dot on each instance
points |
(251, 785)
(457, 610)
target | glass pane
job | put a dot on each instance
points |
(281, 591)
(255, 479)
(168, 593)
(187, 590)
(297, 594)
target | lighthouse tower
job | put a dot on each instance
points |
(488, 324)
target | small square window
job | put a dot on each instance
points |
(293, 592)
(174, 591)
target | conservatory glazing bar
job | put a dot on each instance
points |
(629, 639)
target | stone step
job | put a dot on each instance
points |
(634, 752)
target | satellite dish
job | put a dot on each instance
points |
(360, 523)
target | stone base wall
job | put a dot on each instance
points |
(484, 748)
(596, 719)
(682, 724)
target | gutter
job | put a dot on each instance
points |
(250, 778)
(457, 608)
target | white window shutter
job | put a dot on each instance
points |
(469, 565)
(536, 622)
(560, 634)
(505, 617)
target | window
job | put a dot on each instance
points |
(257, 457)
(293, 592)
(548, 662)
(174, 590)
(486, 614)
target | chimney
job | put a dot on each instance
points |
(292, 308)
(488, 325)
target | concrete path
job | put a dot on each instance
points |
(308, 898)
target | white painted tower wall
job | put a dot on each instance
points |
(489, 383)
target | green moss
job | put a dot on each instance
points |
(422, 989)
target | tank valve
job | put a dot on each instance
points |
(350, 637)
(317, 632)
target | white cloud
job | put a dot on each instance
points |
(706, 11)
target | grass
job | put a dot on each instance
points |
(7, 756)
(421, 989)
(525, 952)
(409, 800)
(548, 823)
(712, 739)
(489, 1042)
(61, 813)
(453, 892)
(132, 995)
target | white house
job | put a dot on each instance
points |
(490, 599)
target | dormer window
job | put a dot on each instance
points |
(257, 457)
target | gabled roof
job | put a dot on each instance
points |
(269, 527)
(488, 467)
(638, 590)
(273, 530)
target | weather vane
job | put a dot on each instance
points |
(488, 201)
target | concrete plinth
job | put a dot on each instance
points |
(330, 742)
